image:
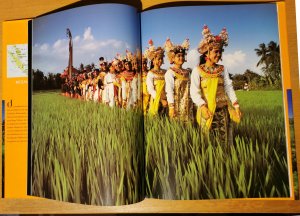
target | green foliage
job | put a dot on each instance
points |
(79, 157)
(43, 82)
(85, 152)
(183, 163)
(270, 62)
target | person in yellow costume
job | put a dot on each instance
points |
(178, 82)
(146, 95)
(155, 80)
(211, 88)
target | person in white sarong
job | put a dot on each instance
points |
(109, 89)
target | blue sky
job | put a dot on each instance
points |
(97, 30)
(248, 25)
(107, 29)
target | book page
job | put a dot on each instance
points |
(216, 122)
(14, 108)
(87, 140)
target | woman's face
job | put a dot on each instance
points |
(179, 59)
(158, 61)
(128, 66)
(144, 66)
(214, 55)
(112, 69)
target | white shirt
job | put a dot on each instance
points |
(169, 86)
(150, 84)
(195, 89)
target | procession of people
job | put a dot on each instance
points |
(204, 95)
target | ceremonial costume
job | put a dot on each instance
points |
(102, 74)
(177, 89)
(129, 89)
(178, 84)
(146, 95)
(129, 83)
(155, 80)
(211, 87)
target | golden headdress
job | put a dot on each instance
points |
(129, 56)
(172, 49)
(210, 41)
(151, 52)
(117, 59)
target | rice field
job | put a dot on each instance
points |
(182, 163)
(84, 152)
(88, 153)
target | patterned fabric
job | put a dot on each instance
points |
(221, 126)
(183, 105)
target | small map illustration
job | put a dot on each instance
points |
(17, 60)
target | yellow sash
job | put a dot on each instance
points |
(154, 103)
(210, 95)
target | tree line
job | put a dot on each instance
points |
(270, 66)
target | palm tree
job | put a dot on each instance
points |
(261, 52)
(274, 59)
(270, 59)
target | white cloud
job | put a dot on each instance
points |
(86, 49)
(234, 60)
(44, 47)
(192, 59)
(76, 39)
(58, 44)
(87, 35)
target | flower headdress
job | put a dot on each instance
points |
(172, 49)
(129, 57)
(210, 41)
(151, 52)
(117, 59)
(120, 57)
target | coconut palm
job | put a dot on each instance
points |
(270, 60)
(261, 52)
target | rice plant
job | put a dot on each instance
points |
(85, 152)
(88, 153)
(183, 163)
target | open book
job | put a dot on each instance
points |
(186, 102)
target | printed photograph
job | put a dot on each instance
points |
(213, 103)
(87, 139)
